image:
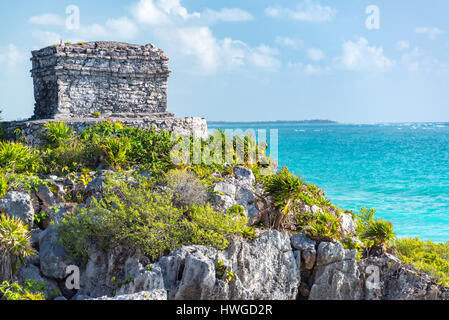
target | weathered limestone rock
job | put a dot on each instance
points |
(221, 202)
(144, 280)
(58, 214)
(245, 175)
(18, 204)
(337, 276)
(347, 224)
(53, 258)
(143, 295)
(397, 281)
(239, 189)
(329, 252)
(264, 268)
(46, 196)
(315, 209)
(306, 249)
(35, 236)
(225, 188)
(198, 277)
(245, 196)
(105, 269)
(32, 272)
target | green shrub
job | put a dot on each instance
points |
(205, 173)
(236, 209)
(287, 189)
(219, 149)
(15, 157)
(14, 242)
(116, 151)
(3, 185)
(29, 290)
(14, 291)
(187, 189)
(427, 256)
(73, 156)
(132, 212)
(209, 227)
(58, 132)
(148, 148)
(284, 187)
(371, 231)
(322, 226)
(351, 244)
(381, 232)
(224, 273)
(41, 217)
(24, 182)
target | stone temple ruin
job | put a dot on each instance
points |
(90, 82)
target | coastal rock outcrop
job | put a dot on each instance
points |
(53, 258)
(336, 275)
(264, 268)
(18, 204)
(397, 281)
(274, 266)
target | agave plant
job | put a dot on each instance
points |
(14, 244)
(17, 157)
(3, 185)
(323, 226)
(380, 231)
(283, 187)
(375, 232)
(58, 132)
(116, 150)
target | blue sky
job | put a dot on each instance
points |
(256, 59)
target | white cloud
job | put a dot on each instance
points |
(294, 43)
(10, 56)
(47, 19)
(46, 38)
(185, 36)
(212, 55)
(188, 35)
(197, 42)
(360, 56)
(305, 11)
(315, 54)
(122, 27)
(402, 45)
(309, 69)
(226, 15)
(432, 33)
(416, 61)
(411, 60)
(273, 12)
(161, 12)
(264, 57)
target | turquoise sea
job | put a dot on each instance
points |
(402, 170)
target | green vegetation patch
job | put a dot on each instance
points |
(14, 242)
(29, 290)
(135, 213)
(427, 256)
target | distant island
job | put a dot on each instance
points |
(314, 121)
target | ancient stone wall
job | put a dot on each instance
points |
(30, 132)
(110, 78)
